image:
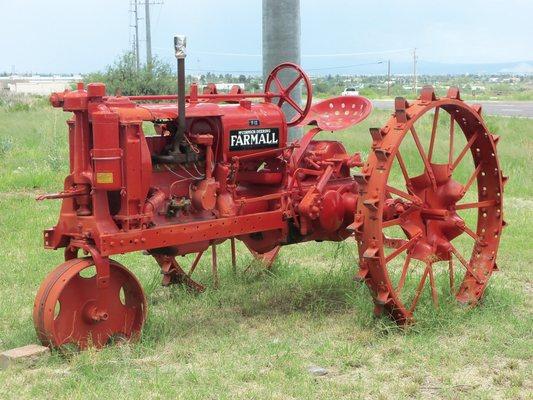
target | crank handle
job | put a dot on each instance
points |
(62, 195)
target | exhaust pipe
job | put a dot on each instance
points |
(174, 155)
(180, 45)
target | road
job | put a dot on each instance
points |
(522, 109)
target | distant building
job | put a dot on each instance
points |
(475, 88)
(227, 86)
(36, 84)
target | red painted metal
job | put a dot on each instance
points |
(338, 113)
(426, 209)
(71, 308)
(236, 177)
(274, 88)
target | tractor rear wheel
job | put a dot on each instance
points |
(420, 223)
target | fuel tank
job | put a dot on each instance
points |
(249, 127)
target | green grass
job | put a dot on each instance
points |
(256, 336)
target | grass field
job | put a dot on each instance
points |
(256, 336)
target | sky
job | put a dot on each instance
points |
(73, 36)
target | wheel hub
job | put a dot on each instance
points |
(436, 222)
(93, 314)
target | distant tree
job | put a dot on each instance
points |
(320, 88)
(123, 77)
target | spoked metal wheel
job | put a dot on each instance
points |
(69, 309)
(426, 234)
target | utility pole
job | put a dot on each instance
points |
(414, 71)
(388, 78)
(281, 43)
(148, 35)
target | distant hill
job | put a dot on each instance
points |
(524, 67)
(435, 68)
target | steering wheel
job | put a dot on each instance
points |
(284, 92)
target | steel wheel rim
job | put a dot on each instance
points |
(373, 260)
(76, 294)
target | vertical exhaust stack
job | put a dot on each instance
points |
(180, 45)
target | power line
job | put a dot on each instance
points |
(215, 70)
(344, 66)
(209, 53)
(216, 53)
(366, 53)
(223, 70)
(307, 69)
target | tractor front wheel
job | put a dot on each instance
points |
(70, 309)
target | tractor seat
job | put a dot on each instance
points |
(338, 113)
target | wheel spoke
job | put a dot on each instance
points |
(434, 294)
(278, 84)
(404, 273)
(471, 179)
(463, 152)
(293, 104)
(424, 158)
(468, 231)
(452, 275)
(419, 289)
(433, 133)
(404, 169)
(401, 249)
(479, 204)
(393, 243)
(289, 88)
(464, 262)
(411, 197)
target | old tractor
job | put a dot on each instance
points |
(425, 207)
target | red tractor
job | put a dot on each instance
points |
(220, 166)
